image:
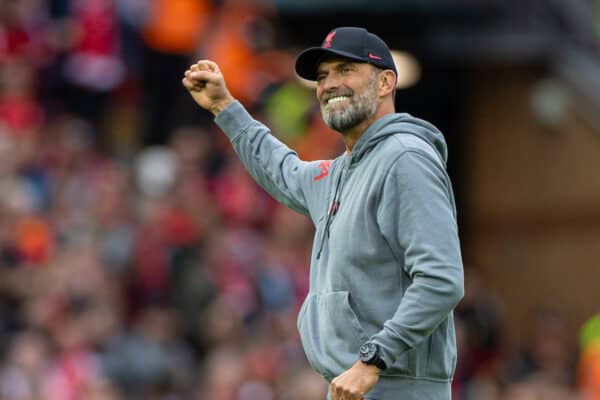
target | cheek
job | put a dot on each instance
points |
(319, 93)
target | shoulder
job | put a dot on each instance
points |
(406, 142)
(402, 148)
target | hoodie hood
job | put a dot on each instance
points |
(393, 124)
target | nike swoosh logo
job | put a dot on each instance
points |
(374, 57)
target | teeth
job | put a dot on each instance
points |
(336, 99)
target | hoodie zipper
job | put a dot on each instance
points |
(331, 212)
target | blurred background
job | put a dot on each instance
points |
(139, 261)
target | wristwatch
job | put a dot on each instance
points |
(369, 354)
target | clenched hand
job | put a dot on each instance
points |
(207, 86)
(355, 382)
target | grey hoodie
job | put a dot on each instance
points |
(386, 261)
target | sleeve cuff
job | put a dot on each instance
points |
(234, 120)
(385, 345)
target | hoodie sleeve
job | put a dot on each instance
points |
(417, 218)
(271, 163)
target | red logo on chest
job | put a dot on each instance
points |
(324, 165)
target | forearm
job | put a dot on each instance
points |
(427, 302)
(417, 217)
(272, 164)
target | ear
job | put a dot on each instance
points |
(387, 82)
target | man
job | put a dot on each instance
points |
(386, 270)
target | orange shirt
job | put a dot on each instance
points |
(589, 372)
(176, 26)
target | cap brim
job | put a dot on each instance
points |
(307, 61)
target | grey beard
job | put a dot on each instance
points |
(361, 107)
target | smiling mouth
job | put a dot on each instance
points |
(336, 99)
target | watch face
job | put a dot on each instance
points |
(367, 351)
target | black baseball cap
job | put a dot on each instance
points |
(349, 42)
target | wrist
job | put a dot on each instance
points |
(371, 368)
(219, 106)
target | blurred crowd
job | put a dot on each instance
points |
(138, 260)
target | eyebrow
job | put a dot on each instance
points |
(337, 66)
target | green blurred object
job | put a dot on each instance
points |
(598, 18)
(287, 110)
(590, 332)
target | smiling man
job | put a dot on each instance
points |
(386, 270)
(344, 109)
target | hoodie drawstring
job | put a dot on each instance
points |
(333, 209)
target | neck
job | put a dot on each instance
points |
(351, 136)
